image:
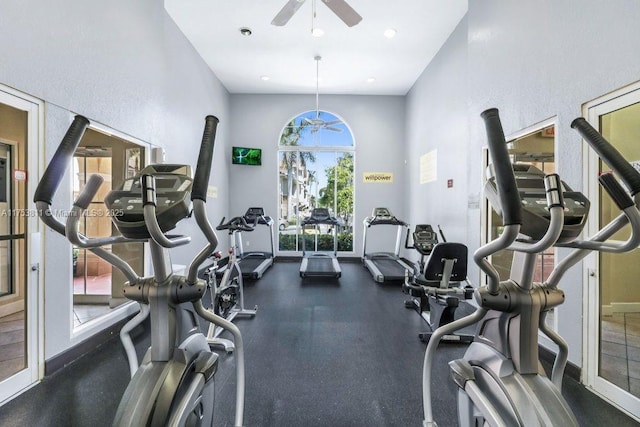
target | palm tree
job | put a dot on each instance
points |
(312, 180)
(290, 137)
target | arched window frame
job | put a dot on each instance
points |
(289, 216)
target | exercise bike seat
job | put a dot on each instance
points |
(435, 273)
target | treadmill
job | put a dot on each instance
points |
(320, 264)
(254, 264)
(385, 266)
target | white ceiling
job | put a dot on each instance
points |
(349, 55)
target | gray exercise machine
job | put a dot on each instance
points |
(317, 263)
(440, 282)
(227, 296)
(174, 384)
(500, 379)
(385, 266)
(253, 264)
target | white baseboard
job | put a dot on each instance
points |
(620, 307)
(11, 308)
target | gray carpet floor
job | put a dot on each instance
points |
(319, 353)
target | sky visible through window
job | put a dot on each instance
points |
(321, 137)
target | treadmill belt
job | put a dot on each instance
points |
(390, 268)
(248, 265)
(319, 265)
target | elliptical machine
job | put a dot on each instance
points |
(174, 385)
(500, 379)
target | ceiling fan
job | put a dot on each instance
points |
(317, 123)
(340, 7)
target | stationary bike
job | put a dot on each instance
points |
(174, 384)
(500, 379)
(227, 296)
(439, 282)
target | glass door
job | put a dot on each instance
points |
(19, 350)
(613, 340)
(97, 286)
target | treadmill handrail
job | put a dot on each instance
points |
(376, 220)
(311, 221)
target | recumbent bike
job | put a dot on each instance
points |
(174, 384)
(436, 286)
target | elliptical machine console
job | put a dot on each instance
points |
(172, 191)
(535, 213)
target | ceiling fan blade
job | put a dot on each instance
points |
(333, 122)
(344, 11)
(287, 12)
(308, 121)
(332, 129)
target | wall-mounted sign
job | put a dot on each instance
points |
(377, 177)
(212, 192)
(429, 167)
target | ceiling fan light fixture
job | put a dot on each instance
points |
(390, 33)
(317, 32)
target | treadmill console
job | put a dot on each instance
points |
(382, 216)
(381, 213)
(173, 191)
(256, 215)
(535, 215)
(424, 239)
(320, 216)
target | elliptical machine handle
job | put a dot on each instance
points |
(52, 176)
(199, 195)
(205, 157)
(444, 239)
(616, 191)
(510, 202)
(609, 154)
(89, 191)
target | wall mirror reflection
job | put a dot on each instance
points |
(96, 284)
(536, 148)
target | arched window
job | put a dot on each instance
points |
(316, 169)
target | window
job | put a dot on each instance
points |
(316, 169)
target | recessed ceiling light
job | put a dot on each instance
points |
(264, 78)
(317, 32)
(371, 79)
(390, 33)
(245, 31)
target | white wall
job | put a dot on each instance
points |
(377, 124)
(532, 60)
(436, 119)
(126, 65)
